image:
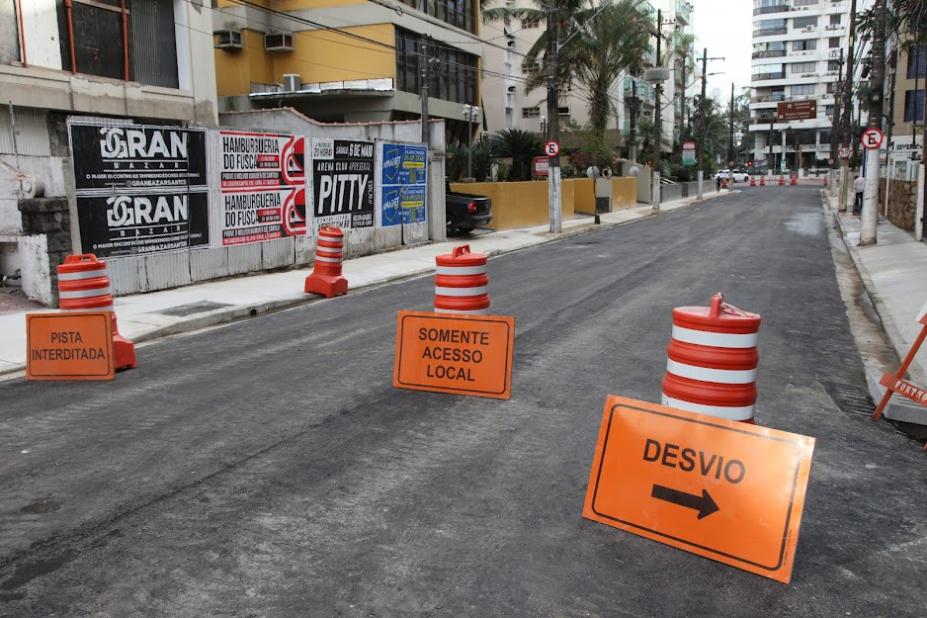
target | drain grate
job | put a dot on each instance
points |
(192, 308)
(850, 398)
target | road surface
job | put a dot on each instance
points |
(268, 468)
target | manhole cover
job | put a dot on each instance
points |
(189, 309)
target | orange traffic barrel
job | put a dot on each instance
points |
(326, 279)
(83, 285)
(461, 282)
(762, 181)
(752, 180)
(712, 360)
(781, 180)
(794, 180)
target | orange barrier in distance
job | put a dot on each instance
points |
(460, 354)
(724, 490)
(69, 346)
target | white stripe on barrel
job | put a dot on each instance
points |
(101, 291)
(705, 374)
(461, 270)
(84, 274)
(474, 291)
(734, 413)
(713, 339)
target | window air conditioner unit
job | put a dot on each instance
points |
(808, 29)
(279, 42)
(228, 39)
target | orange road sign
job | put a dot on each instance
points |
(451, 353)
(725, 490)
(69, 346)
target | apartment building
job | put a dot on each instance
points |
(349, 60)
(128, 60)
(798, 50)
(906, 82)
(508, 105)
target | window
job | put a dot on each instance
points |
(453, 77)
(833, 65)
(457, 13)
(917, 62)
(833, 42)
(829, 111)
(835, 19)
(913, 105)
(770, 26)
(116, 38)
(802, 90)
(804, 22)
(531, 112)
(802, 67)
(806, 45)
(563, 111)
(9, 32)
(805, 2)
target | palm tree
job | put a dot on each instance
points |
(599, 43)
(521, 147)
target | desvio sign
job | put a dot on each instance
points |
(725, 490)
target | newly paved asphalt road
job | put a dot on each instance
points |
(269, 468)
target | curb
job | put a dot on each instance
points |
(888, 324)
(227, 315)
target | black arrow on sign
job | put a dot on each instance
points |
(703, 504)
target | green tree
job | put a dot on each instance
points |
(598, 43)
(521, 147)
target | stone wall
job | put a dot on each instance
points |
(902, 201)
(45, 242)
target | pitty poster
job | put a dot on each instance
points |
(404, 178)
(139, 189)
(342, 183)
(262, 182)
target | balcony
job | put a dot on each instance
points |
(779, 8)
(770, 31)
(772, 53)
(769, 98)
(758, 77)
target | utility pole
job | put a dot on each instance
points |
(657, 119)
(730, 142)
(553, 124)
(426, 78)
(869, 218)
(846, 99)
(682, 99)
(633, 105)
(769, 143)
(834, 133)
(700, 145)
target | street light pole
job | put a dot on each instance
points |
(869, 218)
(470, 113)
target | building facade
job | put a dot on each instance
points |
(799, 47)
(349, 60)
(111, 59)
(906, 82)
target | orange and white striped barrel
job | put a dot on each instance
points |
(781, 180)
(83, 285)
(793, 180)
(712, 360)
(762, 181)
(752, 180)
(326, 278)
(461, 282)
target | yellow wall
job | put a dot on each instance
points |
(518, 204)
(624, 193)
(317, 56)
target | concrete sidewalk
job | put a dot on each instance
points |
(144, 317)
(893, 272)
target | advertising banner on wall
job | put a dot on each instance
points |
(139, 189)
(342, 183)
(262, 186)
(403, 183)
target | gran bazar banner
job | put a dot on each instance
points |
(262, 186)
(139, 189)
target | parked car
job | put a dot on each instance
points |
(738, 175)
(465, 211)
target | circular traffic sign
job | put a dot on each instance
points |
(844, 152)
(871, 138)
(551, 149)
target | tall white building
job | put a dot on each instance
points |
(797, 50)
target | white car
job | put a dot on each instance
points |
(738, 176)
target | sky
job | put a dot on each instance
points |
(725, 27)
